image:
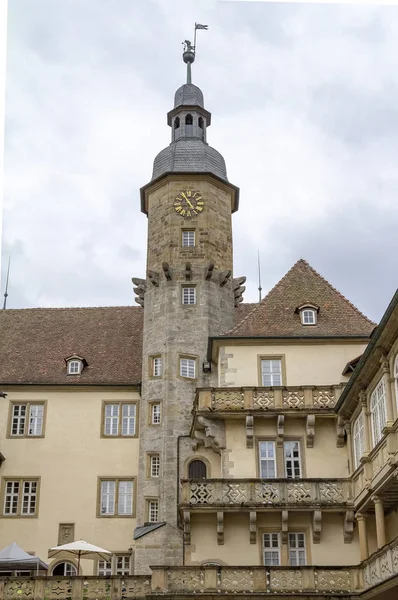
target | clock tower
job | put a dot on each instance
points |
(188, 295)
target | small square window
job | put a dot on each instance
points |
(189, 295)
(188, 238)
(157, 366)
(153, 511)
(154, 465)
(155, 413)
(187, 367)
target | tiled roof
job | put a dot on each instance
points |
(34, 343)
(276, 316)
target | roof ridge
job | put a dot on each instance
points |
(69, 308)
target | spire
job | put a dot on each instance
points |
(260, 289)
(6, 290)
(188, 57)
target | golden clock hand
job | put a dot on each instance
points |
(184, 196)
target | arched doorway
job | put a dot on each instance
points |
(197, 469)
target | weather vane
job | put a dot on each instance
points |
(190, 51)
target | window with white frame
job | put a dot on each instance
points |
(358, 436)
(188, 294)
(120, 419)
(271, 372)
(396, 379)
(291, 452)
(154, 465)
(188, 238)
(297, 554)
(267, 458)
(308, 316)
(123, 564)
(116, 497)
(75, 367)
(378, 411)
(153, 511)
(187, 367)
(27, 420)
(64, 569)
(104, 568)
(156, 366)
(20, 497)
(271, 549)
(118, 564)
(155, 413)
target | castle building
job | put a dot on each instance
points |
(213, 446)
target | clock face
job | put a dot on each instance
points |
(189, 203)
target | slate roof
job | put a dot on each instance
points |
(34, 343)
(188, 95)
(276, 316)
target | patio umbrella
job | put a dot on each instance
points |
(79, 549)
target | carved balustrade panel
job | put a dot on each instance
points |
(57, 588)
(333, 492)
(323, 397)
(263, 398)
(381, 567)
(358, 484)
(19, 588)
(235, 580)
(285, 580)
(332, 580)
(97, 589)
(300, 492)
(293, 398)
(135, 587)
(185, 580)
(235, 493)
(227, 400)
(202, 493)
(267, 493)
(380, 459)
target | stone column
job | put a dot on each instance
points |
(385, 369)
(363, 540)
(380, 522)
(366, 421)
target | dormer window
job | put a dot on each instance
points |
(75, 365)
(308, 314)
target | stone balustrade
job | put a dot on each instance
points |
(263, 492)
(382, 565)
(312, 398)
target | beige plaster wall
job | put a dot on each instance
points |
(306, 363)
(237, 549)
(391, 522)
(69, 460)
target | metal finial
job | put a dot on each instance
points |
(6, 290)
(260, 289)
(188, 58)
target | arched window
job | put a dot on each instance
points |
(64, 568)
(197, 470)
(188, 120)
(396, 379)
(176, 122)
(378, 411)
(200, 122)
(358, 436)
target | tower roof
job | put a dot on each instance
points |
(187, 155)
(188, 95)
(276, 315)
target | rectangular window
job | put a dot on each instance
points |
(187, 367)
(291, 452)
(157, 366)
(120, 419)
(266, 452)
(189, 295)
(122, 564)
(116, 497)
(359, 440)
(153, 511)
(297, 556)
(271, 549)
(27, 420)
(118, 564)
(104, 567)
(20, 497)
(155, 413)
(271, 372)
(154, 463)
(188, 238)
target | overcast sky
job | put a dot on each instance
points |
(304, 102)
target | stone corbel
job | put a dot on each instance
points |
(220, 528)
(224, 276)
(153, 278)
(239, 288)
(253, 527)
(316, 526)
(348, 526)
(139, 290)
(285, 527)
(209, 271)
(168, 273)
(188, 271)
(187, 526)
(310, 430)
(249, 431)
(340, 431)
(280, 429)
(210, 433)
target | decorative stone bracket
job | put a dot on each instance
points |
(316, 526)
(239, 288)
(310, 430)
(220, 528)
(187, 526)
(340, 432)
(348, 526)
(280, 429)
(285, 526)
(210, 433)
(139, 290)
(253, 527)
(249, 431)
(168, 273)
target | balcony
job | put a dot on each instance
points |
(316, 399)
(265, 493)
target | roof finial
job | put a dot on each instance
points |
(190, 51)
(260, 289)
(6, 290)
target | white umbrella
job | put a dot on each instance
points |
(81, 549)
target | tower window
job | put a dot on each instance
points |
(153, 511)
(200, 122)
(154, 465)
(189, 295)
(156, 366)
(176, 122)
(187, 368)
(188, 238)
(188, 120)
(155, 413)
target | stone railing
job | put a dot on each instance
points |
(260, 492)
(382, 565)
(267, 398)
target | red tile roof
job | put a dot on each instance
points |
(35, 342)
(276, 316)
